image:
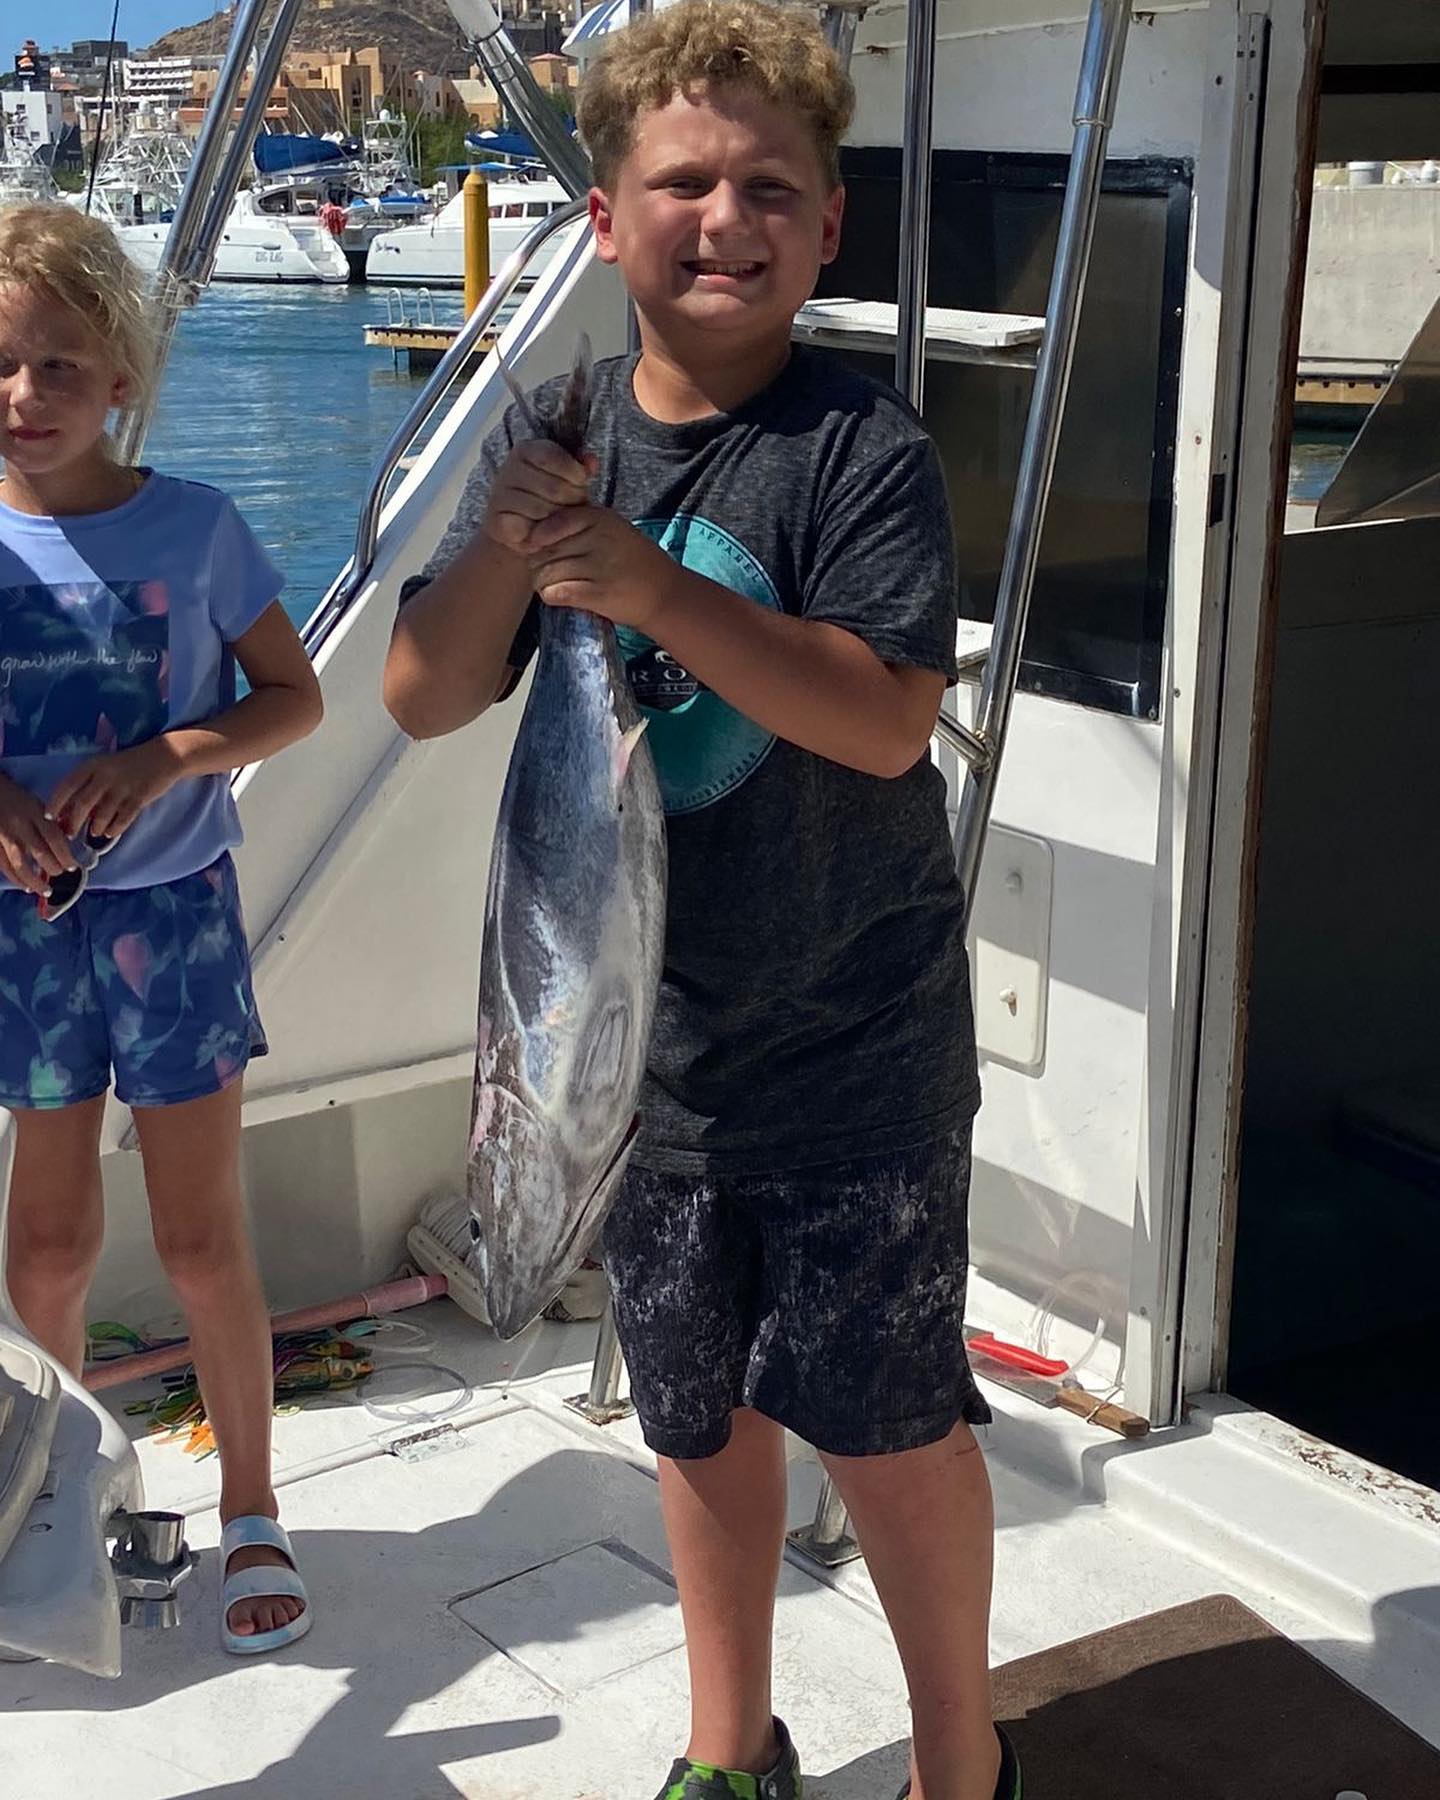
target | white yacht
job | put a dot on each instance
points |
(258, 244)
(1205, 985)
(432, 254)
(360, 187)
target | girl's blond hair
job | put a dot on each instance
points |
(776, 52)
(78, 261)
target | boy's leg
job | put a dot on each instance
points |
(863, 1354)
(192, 1174)
(725, 1519)
(683, 1262)
(56, 1223)
(925, 1521)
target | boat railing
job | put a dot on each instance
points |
(367, 532)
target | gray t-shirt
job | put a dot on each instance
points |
(816, 1002)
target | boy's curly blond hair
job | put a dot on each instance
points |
(78, 262)
(777, 52)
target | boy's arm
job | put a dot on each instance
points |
(448, 657)
(105, 794)
(815, 684)
(857, 693)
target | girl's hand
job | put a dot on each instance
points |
(32, 846)
(106, 795)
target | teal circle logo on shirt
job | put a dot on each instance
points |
(703, 748)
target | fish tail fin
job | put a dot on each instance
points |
(625, 749)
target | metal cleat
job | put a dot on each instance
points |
(149, 1561)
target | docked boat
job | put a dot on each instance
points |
(140, 178)
(432, 254)
(258, 244)
(25, 177)
(1198, 757)
(361, 187)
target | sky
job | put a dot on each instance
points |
(57, 23)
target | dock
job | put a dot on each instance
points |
(423, 344)
(1337, 388)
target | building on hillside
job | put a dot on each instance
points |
(538, 31)
(170, 80)
(32, 67)
(480, 101)
(84, 63)
(556, 75)
(338, 90)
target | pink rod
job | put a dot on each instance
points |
(392, 1296)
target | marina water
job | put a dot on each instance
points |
(273, 395)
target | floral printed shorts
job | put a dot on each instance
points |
(153, 981)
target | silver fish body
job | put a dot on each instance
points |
(570, 969)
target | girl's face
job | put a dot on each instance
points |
(58, 384)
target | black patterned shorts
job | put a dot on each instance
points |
(830, 1299)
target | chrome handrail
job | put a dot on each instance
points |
(962, 740)
(367, 531)
(1100, 66)
(913, 278)
(193, 240)
(510, 75)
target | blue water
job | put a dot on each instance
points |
(1315, 458)
(272, 395)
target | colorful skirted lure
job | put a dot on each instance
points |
(306, 1362)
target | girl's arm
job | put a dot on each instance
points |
(106, 794)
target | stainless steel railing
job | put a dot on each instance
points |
(367, 531)
(827, 1539)
(914, 273)
(1094, 114)
(511, 78)
(210, 183)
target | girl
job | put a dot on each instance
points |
(126, 599)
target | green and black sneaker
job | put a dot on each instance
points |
(698, 1781)
(1008, 1785)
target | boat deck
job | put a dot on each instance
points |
(495, 1617)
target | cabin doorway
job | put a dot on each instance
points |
(1335, 1298)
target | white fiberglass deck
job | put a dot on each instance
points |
(495, 1619)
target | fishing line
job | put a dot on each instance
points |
(104, 101)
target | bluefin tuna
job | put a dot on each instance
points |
(571, 957)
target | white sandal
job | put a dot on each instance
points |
(265, 1582)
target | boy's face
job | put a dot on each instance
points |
(720, 217)
(58, 383)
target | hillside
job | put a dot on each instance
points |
(420, 34)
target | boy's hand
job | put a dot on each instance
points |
(589, 557)
(106, 795)
(32, 846)
(535, 479)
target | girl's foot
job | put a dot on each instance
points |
(262, 1596)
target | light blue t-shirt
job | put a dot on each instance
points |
(114, 627)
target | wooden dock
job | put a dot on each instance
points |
(1341, 386)
(422, 344)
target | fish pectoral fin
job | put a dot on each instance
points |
(625, 749)
(593, 1213)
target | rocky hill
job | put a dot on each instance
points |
(420, 34)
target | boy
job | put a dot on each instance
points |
(770, 535)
